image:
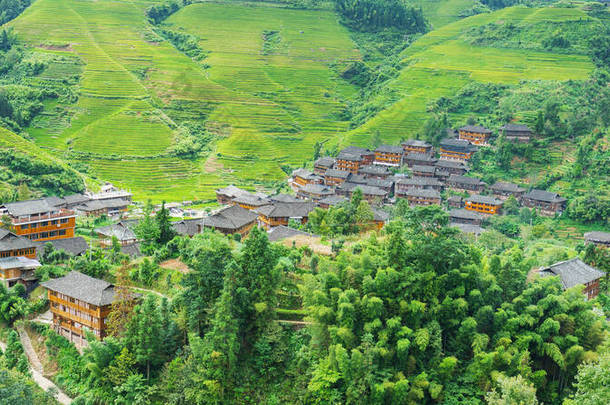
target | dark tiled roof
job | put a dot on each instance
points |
(597, 236)
(82, 287)
(349, 156)
(419, 181)
(423, 193)
(121, 230)
(132, 250)
(572, 272)
(456, 178)
(73, 246)
(18, 262)
(371, 190)
(95, 205)
(233, 217)
(11, 241)
(455, 198)
(231, 191)
(422, 157)
(283, 198)
(283, 232)
(287, 210)
(332, 200)
(355, 150)
(483, 199)
(305, 174)
(423, 169)
(516, 128)
(374, 169)
(357, 179)
(390, 149)
(317, 189)
(416, 143)
(29, 207)
(451, 164)
(541, 195)
(340, 174)
(460, 145)
(325, 161)
(188, 227)
(380, 215)
(75, 199)
(476, 128)
(250, 199)
(507, 187)
(465, 214)
(379, 183)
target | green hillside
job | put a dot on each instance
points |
(443, 61)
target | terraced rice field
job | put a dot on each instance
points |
(442, 61)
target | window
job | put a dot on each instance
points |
(54, 222)
(34, 225)
(44, 223)
(62, 232)
(44, 235)
(52, 234)
(25, 226)
(64, 220)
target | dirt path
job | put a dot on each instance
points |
(150, 291)
(36, 368)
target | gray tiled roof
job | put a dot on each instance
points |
(418, 181)
(468, 228)
(340, 174)
(283, 198)
(421, 157)
(374, 169)
(95, 205)
(349, 156)
(507, 187)
(572, 272)
(233, 217)
(283, 232)
(380, 215)
(332, 200)
(371, 190)
(597, 236)
(423, 169)
(73, 246)
(75, 199)
(541, 195)
(305, 174)
(476, 128)
(287, 210)
(484, 199)
(30, 207)
(325, 161)
(317, 189)
(250, 199)
(460, 145)
(82, 287)
(465, 214)
(188, 227)
(357, 179)
(18, 262)
(451, 164)
(121, 230)
(11, 241)
(416, 143)
(355, 150)
(423, 193)
(231, 191)
(380, 183)
(516, 128)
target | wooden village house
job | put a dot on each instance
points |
(231, 220)
(484, 204)
(463, 183)
(422, 197)
(516, 132)
(475, 134)
(456, 149)
(416, 158)
(417, 146)
(389, 155)
(276, 214)
(598, 238)
(463, 216)
(547, 203)
(39, 220)
(503, 190)
(321, 165)
(575, 272)
(334, 177)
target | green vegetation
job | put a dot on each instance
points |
(382, 14)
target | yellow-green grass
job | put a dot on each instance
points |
(441, 62)
(290, 93)
(443, 12)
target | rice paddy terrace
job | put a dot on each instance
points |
(268, 91)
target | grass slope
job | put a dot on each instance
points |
(441, 62)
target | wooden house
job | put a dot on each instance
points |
(315, 192)
(76, 246)
(406, 183)
(389, 155)
(110, 207)
(122, 231)
(349, 162)
(452, 166)
(417, 146)
(423, 171)
(422, 159)
(598, 238)
(334, 177)
(386, 185)
(475, 134)
(575, 272)
(39, 220)
(188, 227)
(368, 156)
(455, 201)
(483, 204)
(463, 216)
(372, 194)
(547, 203)
(503, 190)
(231, 220)
(301, 177)
(475, 230)
(456, 149)
(227, 194)
(321, 165)
(516, 132)
(331, 201)
(375, 172)
(462, 183)
(422, 197)
(78, 303)
(13, 245)
(18, 269)
(250, 201)
(276, 214)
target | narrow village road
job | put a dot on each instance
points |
(36, 368)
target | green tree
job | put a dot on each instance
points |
(513, 391)
(592, 383)
(144, 335)
(147, 230)
(166, 231)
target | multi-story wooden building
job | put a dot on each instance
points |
(331, 201)
(349, 162)
(456, 149)
(406, 183)
(455, 201)
(452, 166)
(79, 302)
(276, 214)
(372, 194)
(516, 132)
(315, 192)
(39, 220)
(575, 272)
(122, 231)
(110, 207)
(417, 146)
(422, 197)
(368, 156)
(12, 245)
(598, 238)
(503, 190)
(250, 201)
(227, 194)
(475, 134)
(483, 204)
(301, 177)
(321, 165)
(422, 159)
(389, 155)
(231, 220)
(547, 203)
(463, 183)
(334, 177)
(375, 172)
(423, 171)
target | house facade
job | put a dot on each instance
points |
(483, 204)
(417, 146)
(39, 220)
(463, 183)
(456, 149)
(475, 134)
(422, 197)
(389, 155)
(575, 272)
(503, 190)
(516, 132)
(547, 203)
